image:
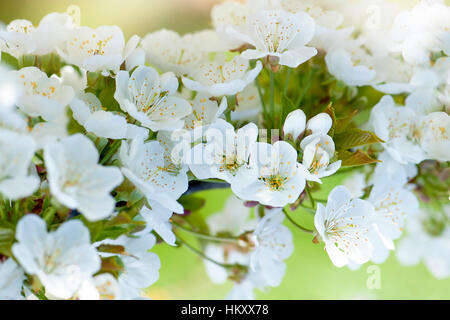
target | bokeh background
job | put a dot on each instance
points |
(310, 274)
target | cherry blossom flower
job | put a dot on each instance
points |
(273, 177)
(421, 30)
(318, 148)
(393, 205)
(410, 138)
(234, 219)
(77, 180)
(345, 225)
(277, 33)
(248, 107)
(273, 244)
(169, 51)
(149, 98)
(87, 110)
(148, 167)
(41, 95)
(221, 76)
(21, 37)
(61, 259)
(11, 280)
(102, 49)
(141, 268)
(296, 124)
(205, 112)
(427, 241)
(101, 287)
(343, 66)
(157, 218)
(16, 178)
(225, 154)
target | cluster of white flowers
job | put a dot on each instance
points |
(102, 140)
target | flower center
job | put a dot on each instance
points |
(275, 182)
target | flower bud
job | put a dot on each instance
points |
(320, 123)
(294, 124)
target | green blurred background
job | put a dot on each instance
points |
(310, 274)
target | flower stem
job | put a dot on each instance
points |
(309, 209)
(261, 98)
(201, 254)
(311, 199)
(205, 236)
(272, 98)
(112, 150)
(296, 224)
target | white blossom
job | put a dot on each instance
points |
(205, 112)
(61, 259)
(77, 180)
(153, 173)
(295, 124)
(277, 33)
(273, 244)
(273, 177)
(225, 155)
(409, 137)
(88, 111)
(221, 77)
(101, 287)
(248, 106)
(149, 98)
(427, 241)
(318, 150)
(422, 30)
(169, 51)
(21, 37)
(347, 67)
(16, 178)
(234, 219)
(141, 268)
(11, 280)
(157, 218)
(102, 49)
(41, 95)
(345, 226)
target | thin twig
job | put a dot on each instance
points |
(201, 254)
(205, 236)
(296, 224)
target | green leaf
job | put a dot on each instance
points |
(352, 92)
(94, 80)
(343, 123)
(112, 233)
(112, 265)
(357, 158)
(191, 202)
(27, 60)
(6, 241)
(121, 218)
(111, 248)
(353, 138)
(49, 63)
(73, 126)
(10, 60)
(48, 215)
(95, 228)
